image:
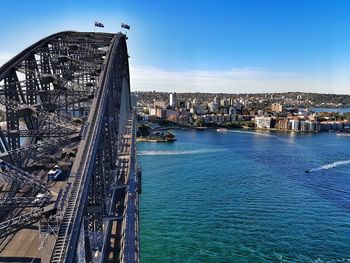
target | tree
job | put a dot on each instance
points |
(199, 122)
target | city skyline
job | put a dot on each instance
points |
(230, 46)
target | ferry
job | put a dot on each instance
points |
(221, 130)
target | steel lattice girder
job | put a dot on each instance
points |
(35, 151)
(65, 73)
(22, 202)
(116, 69)
(21, 176)
(17, 223)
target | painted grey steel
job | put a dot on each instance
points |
(69, 90)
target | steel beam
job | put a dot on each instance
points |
(74, 93)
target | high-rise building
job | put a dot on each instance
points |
(188, 104)
(173, 99)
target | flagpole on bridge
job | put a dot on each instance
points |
(97, 24)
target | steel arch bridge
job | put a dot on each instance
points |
(69, 179)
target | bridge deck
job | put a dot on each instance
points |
(66, 101)
(122, 240)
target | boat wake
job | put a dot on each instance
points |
(330, 165)
(184, 152)
(254, 133)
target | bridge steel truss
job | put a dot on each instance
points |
(71, 89)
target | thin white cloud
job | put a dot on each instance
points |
(236, 80)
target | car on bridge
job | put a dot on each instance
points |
(54, 173)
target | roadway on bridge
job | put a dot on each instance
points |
(27, 251)
(26, 245)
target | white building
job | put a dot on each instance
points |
(173, 99)
(295, 125)
(263, 122)
(213, 107)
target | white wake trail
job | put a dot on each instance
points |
(184, 152)
(254, 133)
(331, 165)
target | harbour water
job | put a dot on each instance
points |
(244, 196)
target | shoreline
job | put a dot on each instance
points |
(184, 128)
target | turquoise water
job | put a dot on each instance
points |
(243, 196)
(339, 110)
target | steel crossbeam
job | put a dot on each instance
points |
(24, 220)
(67, 100)
(22, 202)
(21, 176)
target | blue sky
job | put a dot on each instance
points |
(213, 46)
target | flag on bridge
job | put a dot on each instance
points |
(98, 24)
(125, 26)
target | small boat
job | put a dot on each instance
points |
(221, 130)
(307, 171)
(343, 134)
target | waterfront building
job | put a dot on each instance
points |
(234, 117)
(183, 119)
(312, 126)
(303, 125)
(295, 124)
(282, 124)
(220, 118)
(263, 122)
(214, 118)
(207, 118)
